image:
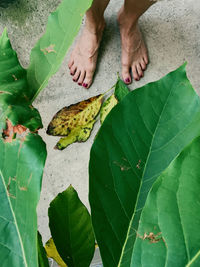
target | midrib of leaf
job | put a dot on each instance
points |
(130, 224)
(69, 223)
(20, 240)
(193, 259)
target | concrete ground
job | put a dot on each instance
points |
(172, 33)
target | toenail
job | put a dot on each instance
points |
(71, 73)
(127, 80)
(79, 83)
(85, 85)
(74, 80)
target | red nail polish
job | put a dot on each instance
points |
(74, 80)
(127, 80)
(85, 85)
(79, 83)
(71, 73)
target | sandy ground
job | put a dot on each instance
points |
(172, 32)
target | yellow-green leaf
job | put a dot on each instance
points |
(80, 134)
(75, 116)
(107, 106)
(53, 253)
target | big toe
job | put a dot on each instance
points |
(126, 74)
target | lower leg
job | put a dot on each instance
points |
(95, 14)
(134, 52)
(83, 59)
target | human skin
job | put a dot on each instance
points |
(134, 58)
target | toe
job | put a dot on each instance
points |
(145, 58)
(126, 74)
(73, 69)
(135, 74)
(88, 78)
(139, 70)
(76, 75)
(143, 64)
(70, 63)
(81, 78)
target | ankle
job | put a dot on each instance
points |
(127, 20)
(94, 23)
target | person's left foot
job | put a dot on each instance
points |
(134, 51)
(82, 63)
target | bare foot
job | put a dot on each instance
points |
(83, 59)
(134, 51)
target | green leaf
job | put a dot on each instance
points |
(22, 159)
(21, 166)
(47, 55)
(42, 257)
(168, 232)
(71, 229)
(15, 102)
(135, 144)
(107, 107)
(121, 90)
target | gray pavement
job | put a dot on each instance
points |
(172, 32)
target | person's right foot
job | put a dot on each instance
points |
(82, 63)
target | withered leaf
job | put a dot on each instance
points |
(79, 134)
(74, 116)
(75, 122)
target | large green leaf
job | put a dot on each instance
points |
(21, 164)
(22, 158)
(46, 57)
(138, 140)
(15, 102)
(168, 233)
(71, 229)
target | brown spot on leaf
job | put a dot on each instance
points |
(23, 188)
(123, 167)
(14, 77)
(49, 49)
(138, 164)
(11, 130)
(153, 238)
(8, 187)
